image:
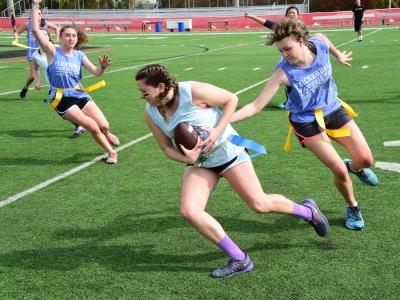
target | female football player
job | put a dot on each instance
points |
(170, 103)
(305, 68)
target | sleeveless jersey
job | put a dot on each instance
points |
(222, 151)
(32, 41)
(312, 87)
(66, 72)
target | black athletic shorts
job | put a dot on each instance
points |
(357, 25)
(67, 102)
(334, 120)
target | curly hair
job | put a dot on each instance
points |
(82, 37)
(155, 74)
(288, 28)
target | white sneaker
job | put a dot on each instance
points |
(79, 130)
(112, 139)
(112, 158)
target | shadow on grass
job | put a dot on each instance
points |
(93, 246)
(74, 159)
(34, 133)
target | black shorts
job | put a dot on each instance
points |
(334, 120)
(67, 102)
(357, 25)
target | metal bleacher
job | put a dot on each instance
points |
(165, 13)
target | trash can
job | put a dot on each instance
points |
(181, 26)
(158, 26)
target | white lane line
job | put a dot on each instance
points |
(391, 143)
(256, 69)
(188, 69)
(388, 166)
(67, 173)
(57, 178)
(221, 69)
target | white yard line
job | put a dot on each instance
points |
(388, 166)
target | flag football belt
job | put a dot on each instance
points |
(88, 89)
(248, 144)
(319, 116)
(15, 43)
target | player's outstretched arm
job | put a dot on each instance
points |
(277, 79)
(255, 18)
(43, 41)
(343, 58)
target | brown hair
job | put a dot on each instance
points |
(155, 74)
(288, 28)
(82, 37)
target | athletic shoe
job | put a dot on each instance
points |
(282, 105)
(354, 219)
(366, 175)
(23, 92)
(113, 140)
(233, 267)
(79, 130)
(318, 220)
(112, 158)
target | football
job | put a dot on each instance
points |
(187, 135)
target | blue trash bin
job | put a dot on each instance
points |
(158, 26)
(181, 26)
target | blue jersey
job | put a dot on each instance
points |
(33, 44)
(312, 87)
(66, 72)
(223, 150)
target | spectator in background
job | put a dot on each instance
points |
(358, 19)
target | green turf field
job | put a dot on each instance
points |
(114, 232)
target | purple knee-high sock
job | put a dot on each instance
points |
(302, 211)
(231, 249)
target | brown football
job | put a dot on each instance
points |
(186, 135)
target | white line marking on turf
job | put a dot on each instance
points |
(67, 173)
(89, 163)
(221, 69)
(188, 69)
(388, 166)
(364, 67)
(391, 143)
(256, 69)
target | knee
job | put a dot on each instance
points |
(341, 173)
(188, 213)
(104, 127)
(365, 162)
(260, 206)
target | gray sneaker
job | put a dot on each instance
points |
(233, 267)
(318, 221)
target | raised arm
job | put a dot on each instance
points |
(104, 61)
(56, 29)
(277, 79)
(342, 57)
(255, 18)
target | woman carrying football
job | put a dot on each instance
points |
(170, 103)
(305, 67)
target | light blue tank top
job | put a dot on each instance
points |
(312, 87)
(66, 72)
(32, 41)
(223, 150)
